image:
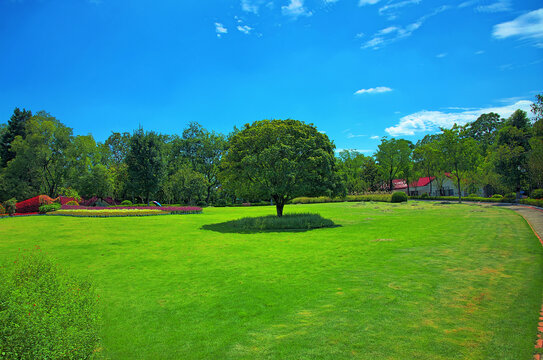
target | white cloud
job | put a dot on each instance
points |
(441, 56)
(359, 35)
(367, 2)
(330, 1)
(498, 6)
(352, 136)
(253, 6)
(244, 29)
(374, 137)
(468, 3)
(430, 121)
(295, 8)
(479, 52)
(375, 90)
(528, 26)
(220, 29)
(393, 33)
(391, 9)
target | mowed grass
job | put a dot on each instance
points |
(409, 281)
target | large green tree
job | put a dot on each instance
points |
(145, 164)
(393, 157)
(280, 159)
(16, 127)
(460, 154)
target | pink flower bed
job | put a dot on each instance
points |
(180, 209)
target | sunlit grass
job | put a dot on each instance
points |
(391, 281)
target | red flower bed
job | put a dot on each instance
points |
(32, 205)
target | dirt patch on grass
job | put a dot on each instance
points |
(382, 240)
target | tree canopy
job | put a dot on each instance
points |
(281, 160)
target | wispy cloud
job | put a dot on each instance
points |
(220, 29)
(391, 34)
(498, 6)
(479, 52)
(367, 2)
(528, 26)
(245, 29)
(253, 6)
(375, 90)
(430, 121)
(441, 56)
(352, 136)
(374, 137)
(391, 9)
(295, 8)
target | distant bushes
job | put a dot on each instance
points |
(45, 312)
(537, 194)
(10, 206)
(126, 203)
(349, 198)
(399, 197)
(532, 202)
(497, 196)
(455, 198)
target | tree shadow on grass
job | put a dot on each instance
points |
(272, 223)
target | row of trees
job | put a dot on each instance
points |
(500, 155)
(269, 159)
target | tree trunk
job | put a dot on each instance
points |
(279, 204)
(279, 208)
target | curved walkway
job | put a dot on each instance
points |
(534, 217)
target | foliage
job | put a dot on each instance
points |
(537, 194)
(70, 193)
(299, 221)
(145, 164)
(280, 159)
(44, 209)
(533, 202)
(510, 197)
(45, 312)
(10, 206)
(2, 210)
(359, 173)
(126, 203)
(72, 203)
(497, 196)
(455, 198)
(349, 198)
(32, 205)
(394, 157)
(16, 127)
(399, 197)
(186, 186)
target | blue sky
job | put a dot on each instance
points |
(357, 69)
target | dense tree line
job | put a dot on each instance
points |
(40, 155)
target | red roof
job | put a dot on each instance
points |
(423, 181)
(398, 184)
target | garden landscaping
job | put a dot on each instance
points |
(416, 280)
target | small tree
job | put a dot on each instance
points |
(280, 159)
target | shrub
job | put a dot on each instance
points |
(220, 203)
(70, 193)
(273, 223)
(10, 206)
(532, 202)
(399, 197)
(537, 194)
(473, 195)
(510, 197)
(44, 209)
(497, 196)
(72, 203)
(2, 210)
(45, 312)
(201, 203)
(424, 196)
(126, 203)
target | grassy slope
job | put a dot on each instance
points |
(457, 281)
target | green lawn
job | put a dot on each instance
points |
(409, 281)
